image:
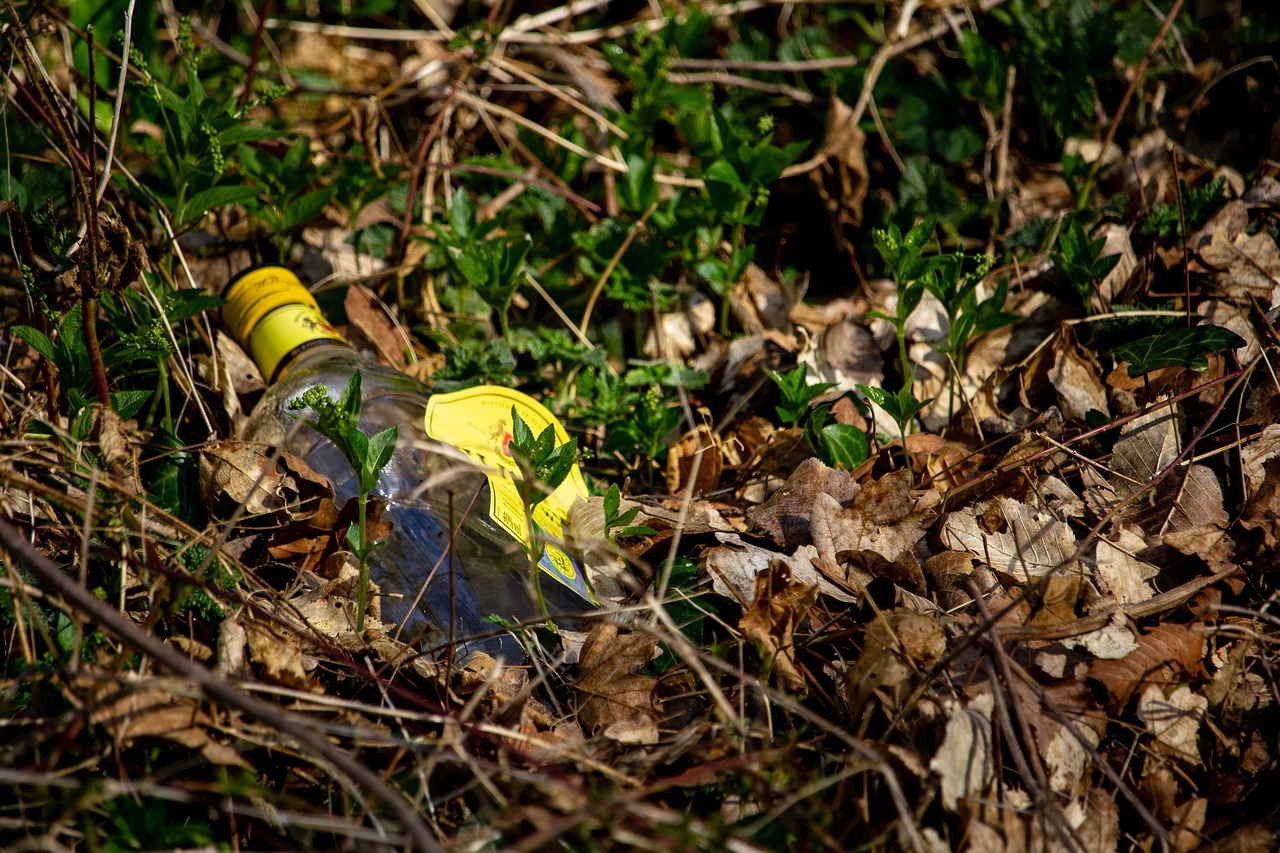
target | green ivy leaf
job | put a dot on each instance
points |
(1177, 348)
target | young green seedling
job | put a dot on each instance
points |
(368, 456)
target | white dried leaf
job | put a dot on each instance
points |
(1035, 541)
(1255, 454)
(1120, 574)
(1112, 641)
(1175, 720)
(734, 566)
(964, 761)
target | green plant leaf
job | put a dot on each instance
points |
(37, 340)
(843, 446)
(1177, 348)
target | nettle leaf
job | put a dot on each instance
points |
(1177, 348)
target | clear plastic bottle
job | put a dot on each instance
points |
(450, 470)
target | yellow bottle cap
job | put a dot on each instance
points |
(272, 314)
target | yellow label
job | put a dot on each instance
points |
(478, 422)
(285, 330)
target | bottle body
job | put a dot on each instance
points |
(459, 550)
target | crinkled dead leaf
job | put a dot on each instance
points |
(843, 144)
(238, 472)
(779, 606)
(1174, 720)
(1113, 641)
(965, 762)
(1165, 655)
(610, 690)
(899, 646)
(735, 565)
(1147, 445)
(1248, 264)
(785, 516)
(278, 655)
(146, 712)
(1030, 542)
(879, 531)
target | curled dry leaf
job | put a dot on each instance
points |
(371, 320)
(1119, 573)
(609, 689)
(1249, 264)
(130, 713)
(236, 472)
(843, 145)
(779, 606)
(899, 646)
(278, 655)
(1075, 376)
(697, 457)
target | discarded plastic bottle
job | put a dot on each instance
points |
(460, 541)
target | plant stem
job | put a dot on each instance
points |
(362, 601)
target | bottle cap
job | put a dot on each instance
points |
(273, 315)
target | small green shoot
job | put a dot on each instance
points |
(617, 524)
(1166, 222)
(340, 423)
(797, 394)
(544, 463)
(1080, 260)
(837, 445)
(902, 407)
(1177, 348)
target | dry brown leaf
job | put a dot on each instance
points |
(1075, 374)
(157, 713)
(1031, 543)
(843, 145)
(238, 472)
(1250, 264)
(1256, 452)
(785, 516)
(779, 606)
(899, 645)
(1262, 513)
(698, 449)
(1147, 445)
(366, 315)
(1165, 653)
(278, 655)
(609, 688)
(1117, 243)
(1119, 573)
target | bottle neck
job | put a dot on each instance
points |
(282, 336)
(275, 318)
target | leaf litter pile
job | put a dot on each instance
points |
(931, 345)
